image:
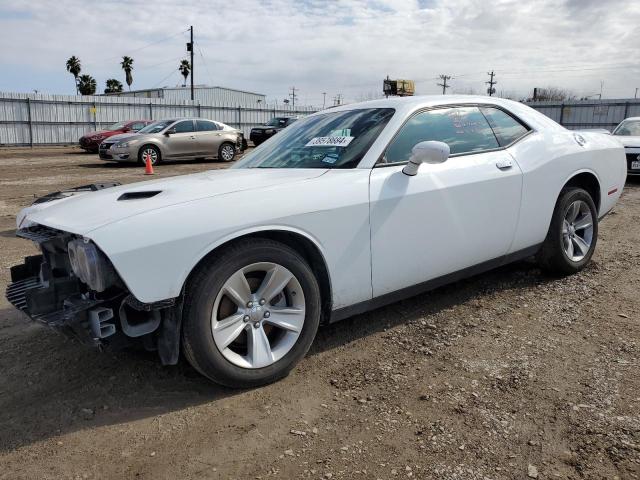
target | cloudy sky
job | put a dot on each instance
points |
(344, 47)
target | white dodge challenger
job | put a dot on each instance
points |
(344, 211)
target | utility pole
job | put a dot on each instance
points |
(444, 85)
(337, 100)
(491, 83)
(636, 94)
(601, 85)
(293, 97)
(324, 98)
(190, 49)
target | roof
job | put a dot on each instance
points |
(195, 87)
(423, 100)
(406, 105)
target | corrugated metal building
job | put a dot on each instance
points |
(202, 94)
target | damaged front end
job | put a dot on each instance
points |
(73, 287)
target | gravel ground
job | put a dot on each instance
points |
(508, 375)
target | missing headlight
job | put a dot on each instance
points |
(91, 266)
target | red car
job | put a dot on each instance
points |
(92, 140)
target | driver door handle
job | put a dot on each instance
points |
(504, 164)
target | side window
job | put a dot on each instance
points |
(205, 126)
(464, 129)
(506, 128)
(184, 127)
(137, 126)
(290, 121)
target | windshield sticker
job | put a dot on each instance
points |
(331, 158)
(344, 132)
(336, 141)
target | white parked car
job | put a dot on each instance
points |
(628, 133)
(344, 211)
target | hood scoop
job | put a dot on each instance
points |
(138, 195)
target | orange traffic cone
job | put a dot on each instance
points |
(148, 167)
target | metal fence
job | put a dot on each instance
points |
(41, 119)
(589, 114)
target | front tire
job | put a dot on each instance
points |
(150, 151)
(573, 233)
(251, 313)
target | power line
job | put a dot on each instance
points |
(103, 60)
(165, 78)
(444, 85)
(206, 66)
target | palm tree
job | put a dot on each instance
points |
(127, 66)
(74, 68)
(185, 69)
(86, 85)
(113, 86)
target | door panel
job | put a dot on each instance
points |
(448, 217)
(209, 138)
(209, 142)
(183, 143)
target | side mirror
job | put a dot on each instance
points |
(170, 131)
(426, 152)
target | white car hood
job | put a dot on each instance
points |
(86, 211)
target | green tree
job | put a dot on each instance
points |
(127, 66)
(74, 68)
(87, 85)
(185, 69)
(113, 86)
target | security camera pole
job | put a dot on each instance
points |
(190, 49)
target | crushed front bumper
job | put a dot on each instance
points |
(58, 302)
(46, 289)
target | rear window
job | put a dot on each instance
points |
(506, 128)
(205, 126)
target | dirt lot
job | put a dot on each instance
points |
(508, 375)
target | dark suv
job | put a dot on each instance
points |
(264, 132)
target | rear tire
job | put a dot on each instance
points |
(238, 345)
(573, 233)
(227, 152)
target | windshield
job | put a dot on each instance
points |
(628, 128)
(156, 127)
(116, 126)
(331, 140)
(277, 122)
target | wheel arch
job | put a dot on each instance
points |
(298, 240)
(587, 180)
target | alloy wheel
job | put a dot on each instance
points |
(577, 231)
(258, 315)
(227, 153)
(151, 154)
